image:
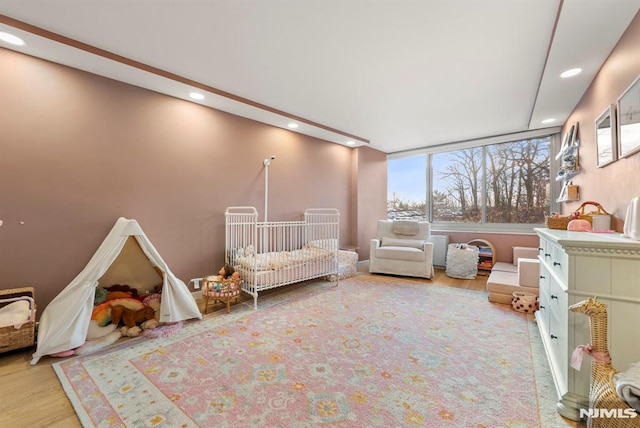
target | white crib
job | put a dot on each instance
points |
(276, 253)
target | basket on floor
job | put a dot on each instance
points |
(17, 338)
(224, 291)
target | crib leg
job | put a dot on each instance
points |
(255, 301)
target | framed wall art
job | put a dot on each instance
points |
(629, 120)
(606, 141)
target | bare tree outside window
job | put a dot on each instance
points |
(508, 182)
(517, 181)
(458, 176)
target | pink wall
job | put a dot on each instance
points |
(503, 243)
(78, 151)
(614, 185)
(372, 197)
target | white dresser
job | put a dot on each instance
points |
(575, 266)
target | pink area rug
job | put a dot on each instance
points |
(374, 351)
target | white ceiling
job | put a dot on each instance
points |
(399, 75)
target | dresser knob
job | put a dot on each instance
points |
(541, 276)
(554, 337)
(554, 297)
(547, 255)
(556, 263)
(540, 248)
(541, 307)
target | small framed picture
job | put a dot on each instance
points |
(606, 140)
(629, 120)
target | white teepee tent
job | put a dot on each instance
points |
(65, 321)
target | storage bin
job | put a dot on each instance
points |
(524, 302)
(10, 337)
(462, 261)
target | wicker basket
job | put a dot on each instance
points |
(602, 391)
(223, 291)
(10, 337)
(558, 222)
(589, 215)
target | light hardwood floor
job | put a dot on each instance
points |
(31, 396)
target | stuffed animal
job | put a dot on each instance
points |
(100, 296)
(130, 332)
(136, 330)
(153, 300)
(129, 317)
(122, 290)
(149, 324)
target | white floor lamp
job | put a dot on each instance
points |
(266, 163)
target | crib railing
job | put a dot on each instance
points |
(283, 252)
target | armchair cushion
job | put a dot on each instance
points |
(522, 276)
(388, 241)
(401, 253)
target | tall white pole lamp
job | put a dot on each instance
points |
(266, 164)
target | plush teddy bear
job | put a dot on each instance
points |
(129, 317)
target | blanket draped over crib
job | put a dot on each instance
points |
(276, 253)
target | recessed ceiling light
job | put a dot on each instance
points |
(196, 96)
(550, 120)
(570, 73)
(10, 38)
(350, 143)
(292, 125)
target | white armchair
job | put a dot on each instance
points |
(402, 248)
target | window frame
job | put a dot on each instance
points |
(504, 228)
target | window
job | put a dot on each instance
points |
(490, 184)
(407, 187)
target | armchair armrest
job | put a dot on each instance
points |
(529, 272)
(428, 250)
(375, 244)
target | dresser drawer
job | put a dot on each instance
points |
(545, 250)
(559, 262)
(558, 323)
(542, 315)
(543, 286)
(558, 340)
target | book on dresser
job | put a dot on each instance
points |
(575, 266)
